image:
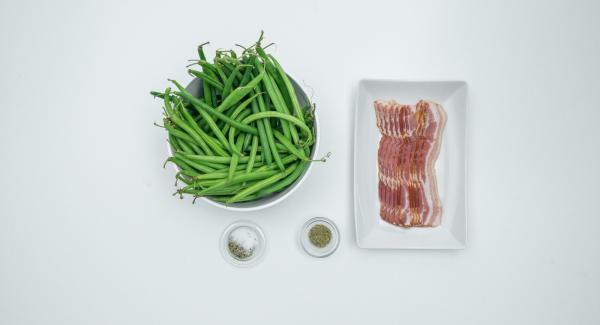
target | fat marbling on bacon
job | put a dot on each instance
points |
(408, 149)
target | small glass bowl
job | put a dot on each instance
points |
(313, 250)
(259, 250)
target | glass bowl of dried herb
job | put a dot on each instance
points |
(319, 237)
(243, 243)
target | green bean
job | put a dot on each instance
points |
(195, 148)
(206, 183)
(213, 175)
(201, 54)
(231, 67)
(282, 89)
(207, 92)
(193, 188)
(188, 129)
(168, 108)
(209, 186)
(206, 78)
(238, 110)
(262, 136)
(194, 126)
(258, 165)
(258, 162)
(208, 69)
(289, 146)
(268, 64)
(246, 77)
(223, 191)
(279, 146)
(197, 166)
(207, 146)
(189, 173)
(227, 69)
(173, 142)
(213, 127)
(236, 156)
(239, 93)
(240, 179)
(252, 154)
(213, 159)
(232, 144)
(285, 160)
(227, 190)
(232, 59)
(224, 199)
(286, 181)
(185, 180)
(167, 102)
(221, 74)
(216, 159)
(241, 109)
(261, 184)
(183, 146)
(215, 145)
(278, 100)
(231, 78)
(223, 173)
(206, 149)
(159, 94)
(179, 163)
(198, 150)
(178, 133)
(201, 106)
(213, 165)
(269, 133)
(283, 116)
(288, 159)
(289, 88)
(232, 133)
(266, 81)
(200, 158)
(247, 141)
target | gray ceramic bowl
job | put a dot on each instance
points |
(195, 87)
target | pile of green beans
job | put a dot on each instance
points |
(246, 137)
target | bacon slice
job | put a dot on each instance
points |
(408, 149)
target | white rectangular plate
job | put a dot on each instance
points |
(371, 230)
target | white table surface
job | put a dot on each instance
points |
(90, 234)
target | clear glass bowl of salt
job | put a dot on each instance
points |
(243, 243)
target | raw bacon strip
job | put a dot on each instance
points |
(408, 149)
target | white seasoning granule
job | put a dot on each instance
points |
(245, 237)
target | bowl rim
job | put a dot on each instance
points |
(282, 195)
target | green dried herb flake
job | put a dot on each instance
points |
(319, 236)
(238, 251)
